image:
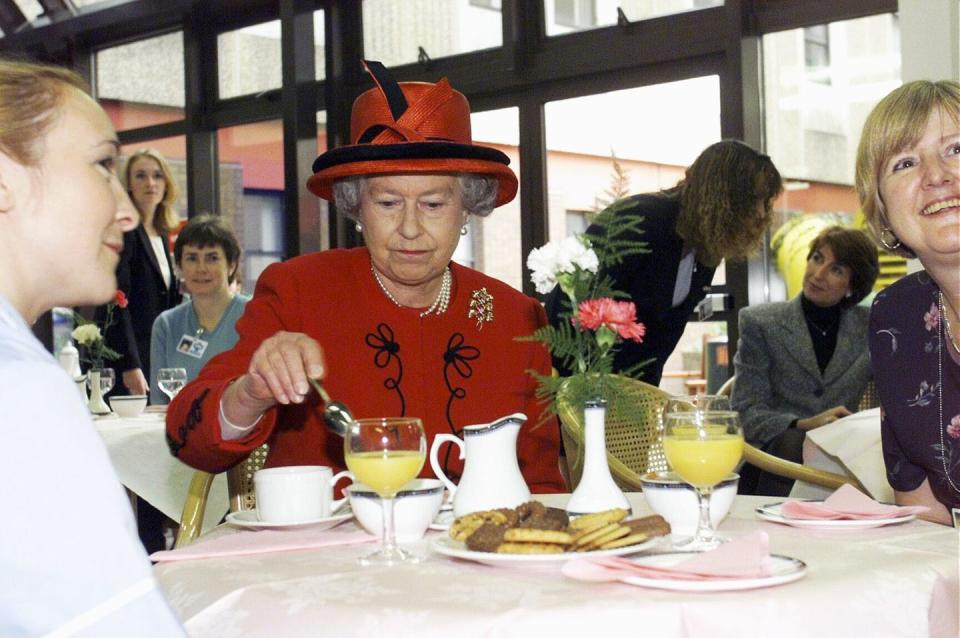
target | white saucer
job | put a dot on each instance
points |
(247, 519)
(456, 549)
(785, 570)
(772, 512)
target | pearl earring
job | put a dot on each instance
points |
(463, 229)
(359, 227)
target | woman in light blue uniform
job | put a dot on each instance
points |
(207, 255)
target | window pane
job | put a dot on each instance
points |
(394, 30)
(141, 83)
(566, 16)
(251, 193)
(820, 83)
(592, 161)
(319, 40)
(29, 8)
(249, 59)
(492, 244)
(172, 149)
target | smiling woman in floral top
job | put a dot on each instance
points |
(908, 180)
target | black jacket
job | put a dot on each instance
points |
(649, 279)
(140, 279)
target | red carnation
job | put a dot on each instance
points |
(121, 299)
(619, 316)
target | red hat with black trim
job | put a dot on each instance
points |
(410, 128)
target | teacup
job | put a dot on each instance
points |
(414, 508)
(297, 493)
(676, 501)
(129, 406)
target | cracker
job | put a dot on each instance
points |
(592, 535)
(613, 534)
(529, 548)
(625, 541)
(527, 535)
(596, 519)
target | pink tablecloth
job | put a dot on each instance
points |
(889, 581)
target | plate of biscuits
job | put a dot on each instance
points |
(535, 533)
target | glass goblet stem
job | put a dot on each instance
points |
(389, 541)
(705, 531)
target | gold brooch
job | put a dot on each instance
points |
(481, 307)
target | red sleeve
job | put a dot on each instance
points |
(539, 445)
(193, 418)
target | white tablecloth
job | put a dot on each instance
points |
(850, 446)
(142, 460)
(894, 581)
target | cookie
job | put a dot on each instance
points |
(466, 525)
(486, 538)
(529, 548)
(618, 532)
(624, 541)
(597, 519)
(519, 534)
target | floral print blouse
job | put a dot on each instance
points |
(909, 365)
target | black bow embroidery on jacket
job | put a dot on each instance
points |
(387, 349)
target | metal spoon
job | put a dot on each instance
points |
(336, 415)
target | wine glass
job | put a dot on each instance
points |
(171, 380)
(385, 454)
(703, 447)
(108, 378)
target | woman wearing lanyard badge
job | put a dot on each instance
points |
(207, 255)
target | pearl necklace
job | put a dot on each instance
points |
(439, 305)
(942, 426)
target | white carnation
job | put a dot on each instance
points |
(86, 334)
(556, 257)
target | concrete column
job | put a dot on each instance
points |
(930, 39)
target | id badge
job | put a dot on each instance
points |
(192, 346)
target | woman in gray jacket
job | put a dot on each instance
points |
(804, 363)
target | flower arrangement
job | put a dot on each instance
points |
(595, 317)
(89, 335)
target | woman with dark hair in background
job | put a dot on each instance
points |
(803, 363)
(207, 255)
(719, 210)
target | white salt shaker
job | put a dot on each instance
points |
(69, 359)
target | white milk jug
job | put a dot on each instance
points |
(491, 475)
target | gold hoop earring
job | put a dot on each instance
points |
(886, 242)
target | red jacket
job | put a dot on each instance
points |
(382, 360)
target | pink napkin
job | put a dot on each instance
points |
(244, 543)
(745, 557)
(847, 503)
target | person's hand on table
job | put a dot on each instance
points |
(277, 374)
(824, 418)
(135, 382)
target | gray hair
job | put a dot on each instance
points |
(478, 193)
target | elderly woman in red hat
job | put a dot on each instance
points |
(394, 328)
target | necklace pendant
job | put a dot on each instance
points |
(481, 307)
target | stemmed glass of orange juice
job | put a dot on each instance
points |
(384, 454)
(703, 447)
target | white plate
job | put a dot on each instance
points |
(443, 520)
(785, 570)
(772, 512)
(455, 549)
(248, 520)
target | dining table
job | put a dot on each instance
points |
(138, 450)
(894, 580)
